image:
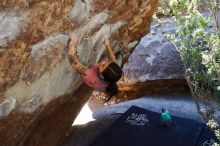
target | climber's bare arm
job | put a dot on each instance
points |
(109, 50)
(72, 56)
(73, 59)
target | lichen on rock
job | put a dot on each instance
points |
(11, 24)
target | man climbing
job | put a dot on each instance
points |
(101, 76)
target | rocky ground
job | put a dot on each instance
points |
(178, 103)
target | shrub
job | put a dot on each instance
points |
(199, 48)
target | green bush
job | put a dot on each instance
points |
(199, 48)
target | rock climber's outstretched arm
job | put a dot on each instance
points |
(72, 56)
(109, 50)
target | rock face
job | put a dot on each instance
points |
(154, 66)
(39, 92)
(155, 58)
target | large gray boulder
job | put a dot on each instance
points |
(155, 58)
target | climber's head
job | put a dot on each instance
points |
(110, 71)
(103, 65)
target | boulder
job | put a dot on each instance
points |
(40, 95)
(155, 57)
(154, 66)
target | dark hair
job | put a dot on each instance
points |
(112, 89)
(112, 73)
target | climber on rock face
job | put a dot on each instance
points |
(101, 76)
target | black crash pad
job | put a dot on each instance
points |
(139, 127)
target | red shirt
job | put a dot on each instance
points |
(91, 78)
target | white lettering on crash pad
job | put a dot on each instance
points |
(137, 119)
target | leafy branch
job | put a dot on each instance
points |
(199, 47)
